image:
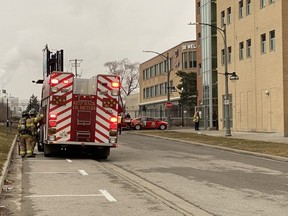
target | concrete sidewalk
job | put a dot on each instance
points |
(266, 137)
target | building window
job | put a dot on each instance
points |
(152, 91)
(157, 90)
(248, 7)
(162, 89)
(241, 50)
(263, 43)
(240, 9)
(229, 15)
(272, 40)
(144, 74)
(271, 1)
(156, 68)
(192, 59)
(165, 66)
(222, 18)
(262, 3)
(184, 60)
(248, 45)
(222, 57)
(229, 54)
(152, 71)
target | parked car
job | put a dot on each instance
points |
(146, 122)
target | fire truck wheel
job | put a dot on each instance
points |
(40, 147)
(162, 127)
(101, 153)
(137, 127)
(47, 150)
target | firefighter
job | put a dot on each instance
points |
(119, 124)
(32, 123)
(23, 133)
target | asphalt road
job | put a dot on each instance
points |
(148, 176)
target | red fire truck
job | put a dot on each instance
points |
(79, 112)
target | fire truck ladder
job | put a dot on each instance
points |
(83, 125)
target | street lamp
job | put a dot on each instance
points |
(233, 75)
(7, 110)
(168, 84)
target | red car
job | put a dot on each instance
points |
(146, 122)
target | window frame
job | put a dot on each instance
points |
(263, 43)
(249, 48)
(222, 56)
(229, 15)
(240, 11)
(241, 50)
(272, 41)
(248, 7)
(229, 58)
(262, 3)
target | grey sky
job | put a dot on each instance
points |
(96, 31)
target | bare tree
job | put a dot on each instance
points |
(129, 75)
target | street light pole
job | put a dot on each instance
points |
(227, 101)
(168, 84)
(168, 93)
(226, 74)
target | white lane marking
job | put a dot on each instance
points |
(65, 195)
(69, 161)
(48, 172)
(108, 196)
(82, 172)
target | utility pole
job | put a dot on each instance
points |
(76, 63)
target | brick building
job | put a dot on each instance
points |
(153, 82)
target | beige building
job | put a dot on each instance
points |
(153, 81)
(256, 44)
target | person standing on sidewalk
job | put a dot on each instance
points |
(119, 121)
(23, 133)
(32, 128)
(196, 119)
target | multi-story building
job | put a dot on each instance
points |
(206, 38)
(153, 81)
(256, 51)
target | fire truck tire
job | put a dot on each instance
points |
(47, 150)
(102, 153)
(40, 147)
(162, 127)
(137, 127)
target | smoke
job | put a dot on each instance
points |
(10, 64)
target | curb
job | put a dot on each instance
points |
(255, 154)
(6, 165)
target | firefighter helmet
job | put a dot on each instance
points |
(32, 112)
(25, 113)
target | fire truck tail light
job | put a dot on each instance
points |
(115, 84)
(52, 116)
(52, 123)
(54, 81)
(113, 119)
